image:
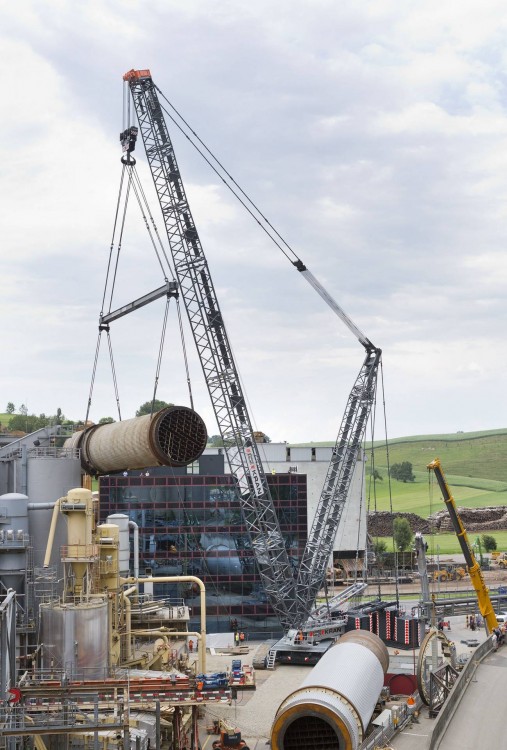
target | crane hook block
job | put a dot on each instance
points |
(128, 139)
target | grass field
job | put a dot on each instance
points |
(423, 496)
(447, 544)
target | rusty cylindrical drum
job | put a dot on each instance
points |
(174, 436)
(334, 704)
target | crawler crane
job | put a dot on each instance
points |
(291, 596)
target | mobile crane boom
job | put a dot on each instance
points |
(474, 569)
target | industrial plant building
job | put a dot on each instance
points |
(189, 520)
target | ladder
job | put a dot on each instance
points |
(270, 661)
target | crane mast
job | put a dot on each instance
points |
(215, 353)
(320, 542)
(474, 569)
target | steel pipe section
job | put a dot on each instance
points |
(174, 436)
(333, 706)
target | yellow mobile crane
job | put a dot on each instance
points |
(474, 570)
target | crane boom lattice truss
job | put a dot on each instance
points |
(337, 483)
(215, 352)
(291, 598)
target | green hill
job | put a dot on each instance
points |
(472, 455)
(475, 465)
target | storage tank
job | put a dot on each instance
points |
(51, 473)
(122, 521)
(174, 436)
(75, 638)
(336, 701)
(14, 540)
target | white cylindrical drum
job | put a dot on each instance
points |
(174, 436)
(336, 701)
(122, 521)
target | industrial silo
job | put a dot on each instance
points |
(14, 541)
(122, 521)
(75, 638)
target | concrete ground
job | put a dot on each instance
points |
(254, 711)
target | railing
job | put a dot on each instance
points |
(54, 452)
(79, 552)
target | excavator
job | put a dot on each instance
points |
(292, 594)
(474, 569)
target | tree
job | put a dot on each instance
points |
(402, 534)
(489, 542)
(106, 420)
(23, 410)
(28, 422)
(261, 437)
(10, 408)
(151, 406)
(215, 441)
(379, 548)
(375, 474)
(403, 472)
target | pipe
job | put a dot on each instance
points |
(128, 617)
(337, 699)
(52, 531)
(182, 579)
(174, 436)
(40, 506)
(133, 525)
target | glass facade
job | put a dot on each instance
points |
(193, 525)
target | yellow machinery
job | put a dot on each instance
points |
(474, 570)
(449, 573)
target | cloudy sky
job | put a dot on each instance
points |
(373, 135)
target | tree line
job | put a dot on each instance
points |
(21, 421)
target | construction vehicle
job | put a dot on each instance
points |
(474, 569)
(230, 737)
(291, 595)
(449, 573)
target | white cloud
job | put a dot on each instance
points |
(372, 135)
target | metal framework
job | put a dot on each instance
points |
(7, 644)
(292, 597)
(320, 542)
(215, 353)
